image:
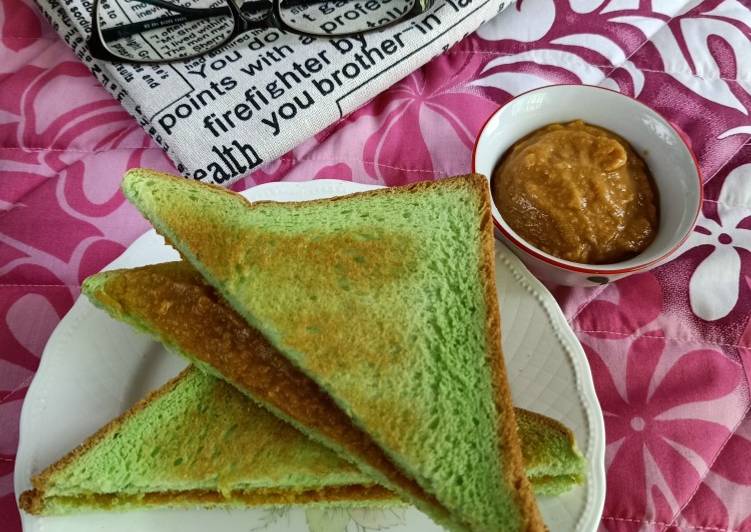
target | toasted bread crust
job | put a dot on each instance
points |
(34, 502)
(507, 428)
(457, 182)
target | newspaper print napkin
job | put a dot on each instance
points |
(222, 115)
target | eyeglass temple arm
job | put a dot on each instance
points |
(186, 14)
(247, 8)
(181, 9)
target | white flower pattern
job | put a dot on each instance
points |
(330, 519)
(714, 285)
(356, 519)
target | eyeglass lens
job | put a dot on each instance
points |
(340, 17)
(155, 30)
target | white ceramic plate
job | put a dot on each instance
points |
(93, 368)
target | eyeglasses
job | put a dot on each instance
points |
(158, 31)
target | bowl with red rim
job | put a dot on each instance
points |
(670, 160)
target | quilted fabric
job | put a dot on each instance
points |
(670, 350)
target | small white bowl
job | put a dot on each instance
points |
(671, 162)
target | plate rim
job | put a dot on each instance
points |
(595, 485)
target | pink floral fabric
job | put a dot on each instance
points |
(670, 350)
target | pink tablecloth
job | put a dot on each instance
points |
(670, 350)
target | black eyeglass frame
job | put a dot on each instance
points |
(272, 19)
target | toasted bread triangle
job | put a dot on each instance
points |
(198, 442)
(387, 300)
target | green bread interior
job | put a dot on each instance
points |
(554, 486)
(76, 504)
(202, 435)
(549, 450)
(380, 299)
